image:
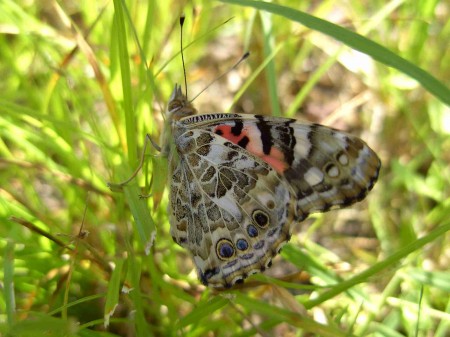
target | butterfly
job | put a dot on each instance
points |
(239, 182)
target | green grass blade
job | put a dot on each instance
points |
(114, 288)
(269, 46)
(143, 221)
(293, 318)
(8, 282)
(378, 267)
(207, 307)
(130, 120)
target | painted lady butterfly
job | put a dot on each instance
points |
(238, 182)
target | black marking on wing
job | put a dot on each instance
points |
(287, 140)
(237, 128)
(243, 142)
(266, 135)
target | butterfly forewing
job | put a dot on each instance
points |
(324, 167)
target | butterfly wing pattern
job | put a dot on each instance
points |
(239, 181)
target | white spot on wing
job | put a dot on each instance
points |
(303, 145)
(333, 172)
(313, 176)
(229, 205)
(343, 159)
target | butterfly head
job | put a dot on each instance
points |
(179, 106)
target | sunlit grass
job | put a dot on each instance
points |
(82, 85)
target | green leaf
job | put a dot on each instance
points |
(114, 288)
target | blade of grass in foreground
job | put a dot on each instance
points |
(8, 284)
(378, 267)
(112, 297)
(295, 319)
(357, 42)
(125, 72)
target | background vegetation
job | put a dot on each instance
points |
(83, 82)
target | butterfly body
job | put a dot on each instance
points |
(239, 182)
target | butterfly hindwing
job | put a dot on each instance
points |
(230, 209)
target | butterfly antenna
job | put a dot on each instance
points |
(182, 17)
(243, 58)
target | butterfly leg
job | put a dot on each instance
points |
(118, 186)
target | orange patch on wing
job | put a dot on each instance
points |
(276, 159)
(226, 133)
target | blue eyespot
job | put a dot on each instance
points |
(252, 231)
(241, 244)
(225, 249)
